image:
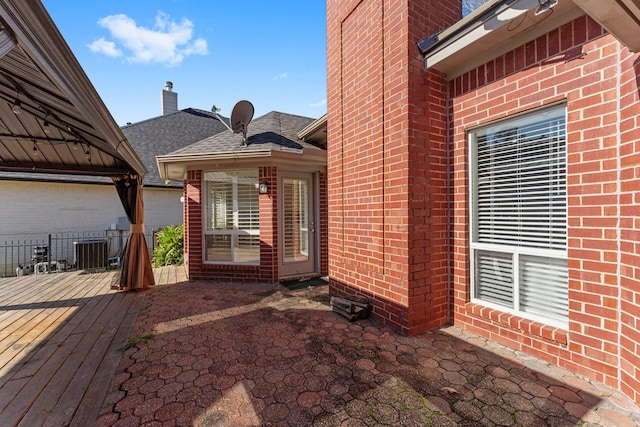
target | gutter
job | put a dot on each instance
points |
(478, 16)
(165, 162)
(312, 127)
(225, 155)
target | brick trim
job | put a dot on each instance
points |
(514, 321)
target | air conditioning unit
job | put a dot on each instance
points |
(123, 223)
(90, 254)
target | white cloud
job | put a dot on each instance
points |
(105, 47)
(168, 42)
(322, 103)
(281, 76)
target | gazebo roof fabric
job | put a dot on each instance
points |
(62, 125)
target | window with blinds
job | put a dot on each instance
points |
(519, 214)
(232, 220)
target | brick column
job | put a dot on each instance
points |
(387, 162)
(193, 223)
(269, 225)
(629, 159)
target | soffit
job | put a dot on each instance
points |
(620, 17)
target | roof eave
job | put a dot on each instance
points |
(494, 29)
(620, 17)
(313, 127)
(174, 167)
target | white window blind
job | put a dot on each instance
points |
(232, 220)
(543, 286)
(519, 214)
(495, 274)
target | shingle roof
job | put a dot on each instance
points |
(164, 134)
(274, 130)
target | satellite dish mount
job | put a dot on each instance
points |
(241, 115)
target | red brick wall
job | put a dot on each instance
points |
(322, 224)
(598, 79)
(386, 179)
(629, 165)
(197, 269)
(193, 223)
(389, 123)
(269, 225)
(267, 271)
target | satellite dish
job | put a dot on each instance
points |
(241, 115)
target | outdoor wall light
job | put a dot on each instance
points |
(263, 188)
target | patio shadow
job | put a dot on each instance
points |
(239, 354)
(59, 340)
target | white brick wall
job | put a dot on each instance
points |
(29, 208)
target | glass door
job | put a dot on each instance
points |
(297, 231)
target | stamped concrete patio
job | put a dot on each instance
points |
(212, 354)
(215, 354)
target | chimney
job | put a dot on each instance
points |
(168, 100)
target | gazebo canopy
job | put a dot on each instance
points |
(53, 121)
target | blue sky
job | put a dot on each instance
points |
(272, 53)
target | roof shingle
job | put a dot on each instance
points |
(164, 134)
(274, 130)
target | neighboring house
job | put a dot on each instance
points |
(492, 165)
(255, 211)
(35, 205)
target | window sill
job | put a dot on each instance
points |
(232, 264)
(552, 333)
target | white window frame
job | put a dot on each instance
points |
(234, 233)
(517, 253)
(303, 225)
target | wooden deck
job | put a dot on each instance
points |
(60, 336)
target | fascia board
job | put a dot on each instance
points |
(620, 17)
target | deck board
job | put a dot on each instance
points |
(23, 293)
(28, 328)
(99, 385)
(77, 366)
(41, 318)
(60, 336)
